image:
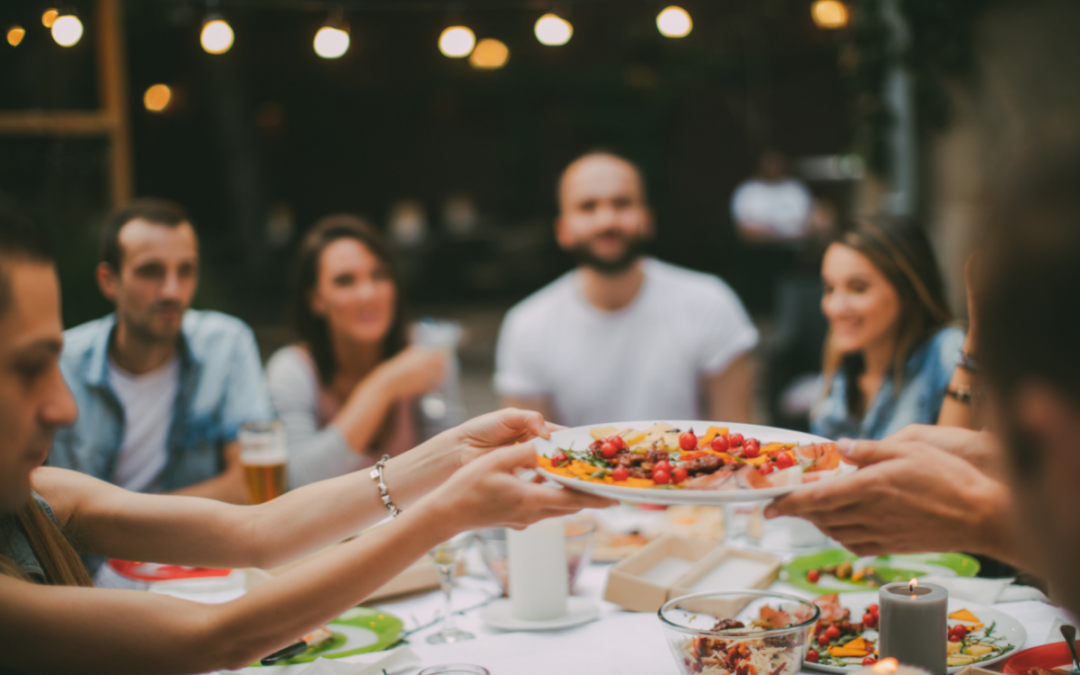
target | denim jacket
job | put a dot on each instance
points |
(221, 386)
(926, 375)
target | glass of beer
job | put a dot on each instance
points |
(263, 455)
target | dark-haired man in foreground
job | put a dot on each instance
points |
(162, 389)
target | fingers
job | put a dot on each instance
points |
(865, 453)
(835, 494)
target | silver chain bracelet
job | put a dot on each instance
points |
(384, 492)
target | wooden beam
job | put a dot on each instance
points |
(112, 88)
(56, 123)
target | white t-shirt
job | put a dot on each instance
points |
(645, 361)
(148, 402)
(783, 207)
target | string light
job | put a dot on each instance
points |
(829, 14)
(15, 35)
(49, 16)
(67, 30)
(490, 54)
(331, 43)
(157, 97)
(457, 42)
(674, 22)
(553, 30)
(217, 35)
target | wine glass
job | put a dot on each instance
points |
(447, 557)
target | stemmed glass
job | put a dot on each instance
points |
(447, 557)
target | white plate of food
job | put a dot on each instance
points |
(687, 462)
(987, 636)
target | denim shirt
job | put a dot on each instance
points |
(221, 386)
(926, 375)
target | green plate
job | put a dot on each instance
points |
(888, 567)
(359, 630)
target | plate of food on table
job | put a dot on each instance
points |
(839, 571)
(1049, 659)
(357, 631)
(846, 636)
(687, 462)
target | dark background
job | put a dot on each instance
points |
(270, 125)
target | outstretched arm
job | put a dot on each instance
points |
(111, 631)
(109, 521)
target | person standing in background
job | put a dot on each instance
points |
(350, 390)
(623, 336)
(162, 389)
(772, 206)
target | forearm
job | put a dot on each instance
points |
(227, 487)
(364, 412)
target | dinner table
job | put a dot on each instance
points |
(618, 642)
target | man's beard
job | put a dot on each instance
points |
(584, 255)
(143, 331)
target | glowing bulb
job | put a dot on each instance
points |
(457, 42)
(216, 36)
(674, 22)
(331, 43)
(49, 17)
(489, 54)
(15, 35)
(67, 30)
(157, 97)
(829, 13)
(553, 30)
(886, 665)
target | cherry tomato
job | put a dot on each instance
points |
(734, 440)
(833, 633)
(679, 474)
(688, 441)
(663, 465)
(661, 477)
(869, 661)
(873, 609)
(784, 461)
(765, 469)
(619, 474)
(559, 459)
(619, 442)
(751, 449)
(813, 576)
(959, 631)
(868, 619)
(609, 450)
(812, 656)
(954, 638)
(823, 640)
(719, 444)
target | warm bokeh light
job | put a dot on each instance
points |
(553, 30)
(886, 665)
(457, 42)
(829, 13)
(674, 22)
(49, 17)
(216, 36)
(67, 30)
(331, 43)
(489, 55)
(157, 97)
(15, 35)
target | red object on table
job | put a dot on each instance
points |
(1053, 655)
(151, 572)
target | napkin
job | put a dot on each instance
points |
(373, 663)
(985, 591)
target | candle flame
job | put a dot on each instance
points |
(913, 584)
(886, 665)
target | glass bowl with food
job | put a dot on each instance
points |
(745, 632)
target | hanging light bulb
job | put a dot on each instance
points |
(217, 35)
(490, 54)
(553, 30)
(67, 30)
(829, 14)
(49, 16)
(332, 40)
(15, 35)
(157, 97)
(674, 22)
(457, 42)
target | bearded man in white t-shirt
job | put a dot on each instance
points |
(624, 336)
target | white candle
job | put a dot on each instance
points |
(539, 582)
(914, 627)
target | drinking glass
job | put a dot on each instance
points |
(444, 336)
(447, 556)
(263, 456)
